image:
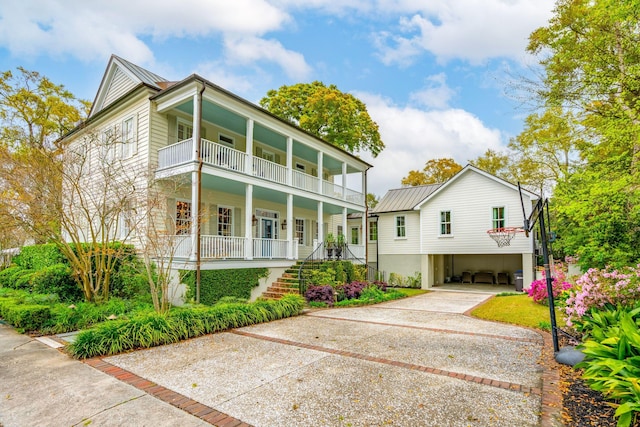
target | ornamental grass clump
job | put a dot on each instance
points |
(600, 288)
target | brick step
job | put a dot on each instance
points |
(282, 284)
(273, 295)
(282, 289)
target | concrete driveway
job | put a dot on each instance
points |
(413, 362)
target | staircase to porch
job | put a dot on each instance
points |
(288, 283)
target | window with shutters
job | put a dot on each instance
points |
(225, 221)
(183, 217)
(300, 231)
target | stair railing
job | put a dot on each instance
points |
(321, 254)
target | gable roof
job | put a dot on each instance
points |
(410, 198)
(119, 78)
(405, 198)
(469, 169)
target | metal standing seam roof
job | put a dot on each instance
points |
(405, 198)
(145, 76)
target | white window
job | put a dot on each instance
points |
(497, 220)
(183, 217)
(108, 145)
(445, 223)
(300, 231)
(225, 221)
(267, 155)
(128, 137)
(185, 130)
(401, 228)
(355, 233)
(373, 231)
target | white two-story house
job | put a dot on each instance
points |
(440, 230)
(262, 190)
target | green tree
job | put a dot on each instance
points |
(34, 114)
(337, 117)
(372, 200)
(435, 171)
(589, 53)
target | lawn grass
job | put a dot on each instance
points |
(518, 310)
(410, 292)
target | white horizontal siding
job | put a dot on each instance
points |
(388, 243)
(120, 84)
(470, 200)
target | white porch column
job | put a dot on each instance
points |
(249, 159)
(289, 160)
(528, 270)
(195, 180)
(320, 223)
(426, 269)
(291, 225)
(345, 232)
(248, 221)
(365, 238)
(320, 166)
(344, 180)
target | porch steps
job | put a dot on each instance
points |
(286, 284)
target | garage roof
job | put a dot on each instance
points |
(405, 198)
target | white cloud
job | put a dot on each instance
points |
(247, 50)
(413, 136)
(472, 30)
(92, 30)
(436, 94)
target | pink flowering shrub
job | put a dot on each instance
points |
(538, 289)
(600, 288)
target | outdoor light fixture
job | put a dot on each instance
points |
(284, 224)
(254, 220)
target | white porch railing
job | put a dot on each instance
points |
(175, 154)
(355, 252)
(269, 170)
(305, 181)
(332, 190)
(221, 156)
(354, 196)
(221, 247)
(227, 247)
(270, 248)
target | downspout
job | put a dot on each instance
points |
(199, 198)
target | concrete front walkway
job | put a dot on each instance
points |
(413, 362)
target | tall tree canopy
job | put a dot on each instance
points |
(434, 171)
(34, 114)
(589, 53)
(337, 117)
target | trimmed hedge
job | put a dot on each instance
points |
(57, 279)
(152, 329)
(217, 284)
(38, 257)
(25, 317)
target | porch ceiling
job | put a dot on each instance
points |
(214, 113)
(262, 193)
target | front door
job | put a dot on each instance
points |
(267, 226)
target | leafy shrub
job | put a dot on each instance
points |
(37, 257)
(322, 277)
(216, 284)
(538, 289)
(22, 279)
(612, 351)
(320, 294)
(57, 279)
(399, 281)
(26, 317)
(151, 328)
(354, 289)
(598, 288)
(129, 279)
(6, 276)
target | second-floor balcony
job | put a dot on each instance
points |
(223, 157)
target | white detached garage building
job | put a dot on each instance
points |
(440, 230)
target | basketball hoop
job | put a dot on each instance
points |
(504, 235)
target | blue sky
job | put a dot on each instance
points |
(433, 73)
